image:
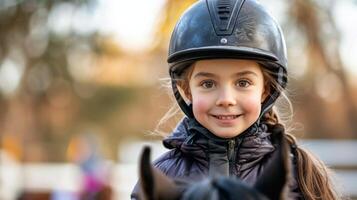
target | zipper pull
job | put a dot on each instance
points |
(231, 144)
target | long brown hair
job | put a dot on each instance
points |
(313, 177)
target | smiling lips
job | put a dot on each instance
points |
(226, 117)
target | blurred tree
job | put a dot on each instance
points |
(35, 73)
(47, 59)
(326, 72)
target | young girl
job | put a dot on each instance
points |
(228, 65)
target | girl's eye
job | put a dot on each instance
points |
(207, 84)
(243, 83)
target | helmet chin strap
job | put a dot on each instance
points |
(268, 104)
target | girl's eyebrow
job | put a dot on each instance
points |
(207, 74)
(243, 73)
(204, 74)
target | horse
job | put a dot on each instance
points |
(271, 185)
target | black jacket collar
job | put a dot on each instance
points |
(195, 141)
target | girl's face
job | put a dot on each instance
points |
(226, 95)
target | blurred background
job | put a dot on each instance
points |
(80, 90)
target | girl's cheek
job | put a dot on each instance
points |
(200, 104)
(252, 104)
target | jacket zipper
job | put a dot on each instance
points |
(233, 146)
(231, 154)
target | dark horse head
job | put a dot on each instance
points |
(269, 186)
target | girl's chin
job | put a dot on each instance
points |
(225, 134)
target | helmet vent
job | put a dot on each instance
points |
(224, 10)
(224, 14)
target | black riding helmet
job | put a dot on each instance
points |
(239, 29)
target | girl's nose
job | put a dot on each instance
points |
(226, 98)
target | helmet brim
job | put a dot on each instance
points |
(212, 52)
(178, 60)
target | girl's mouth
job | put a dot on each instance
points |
(226, 117)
